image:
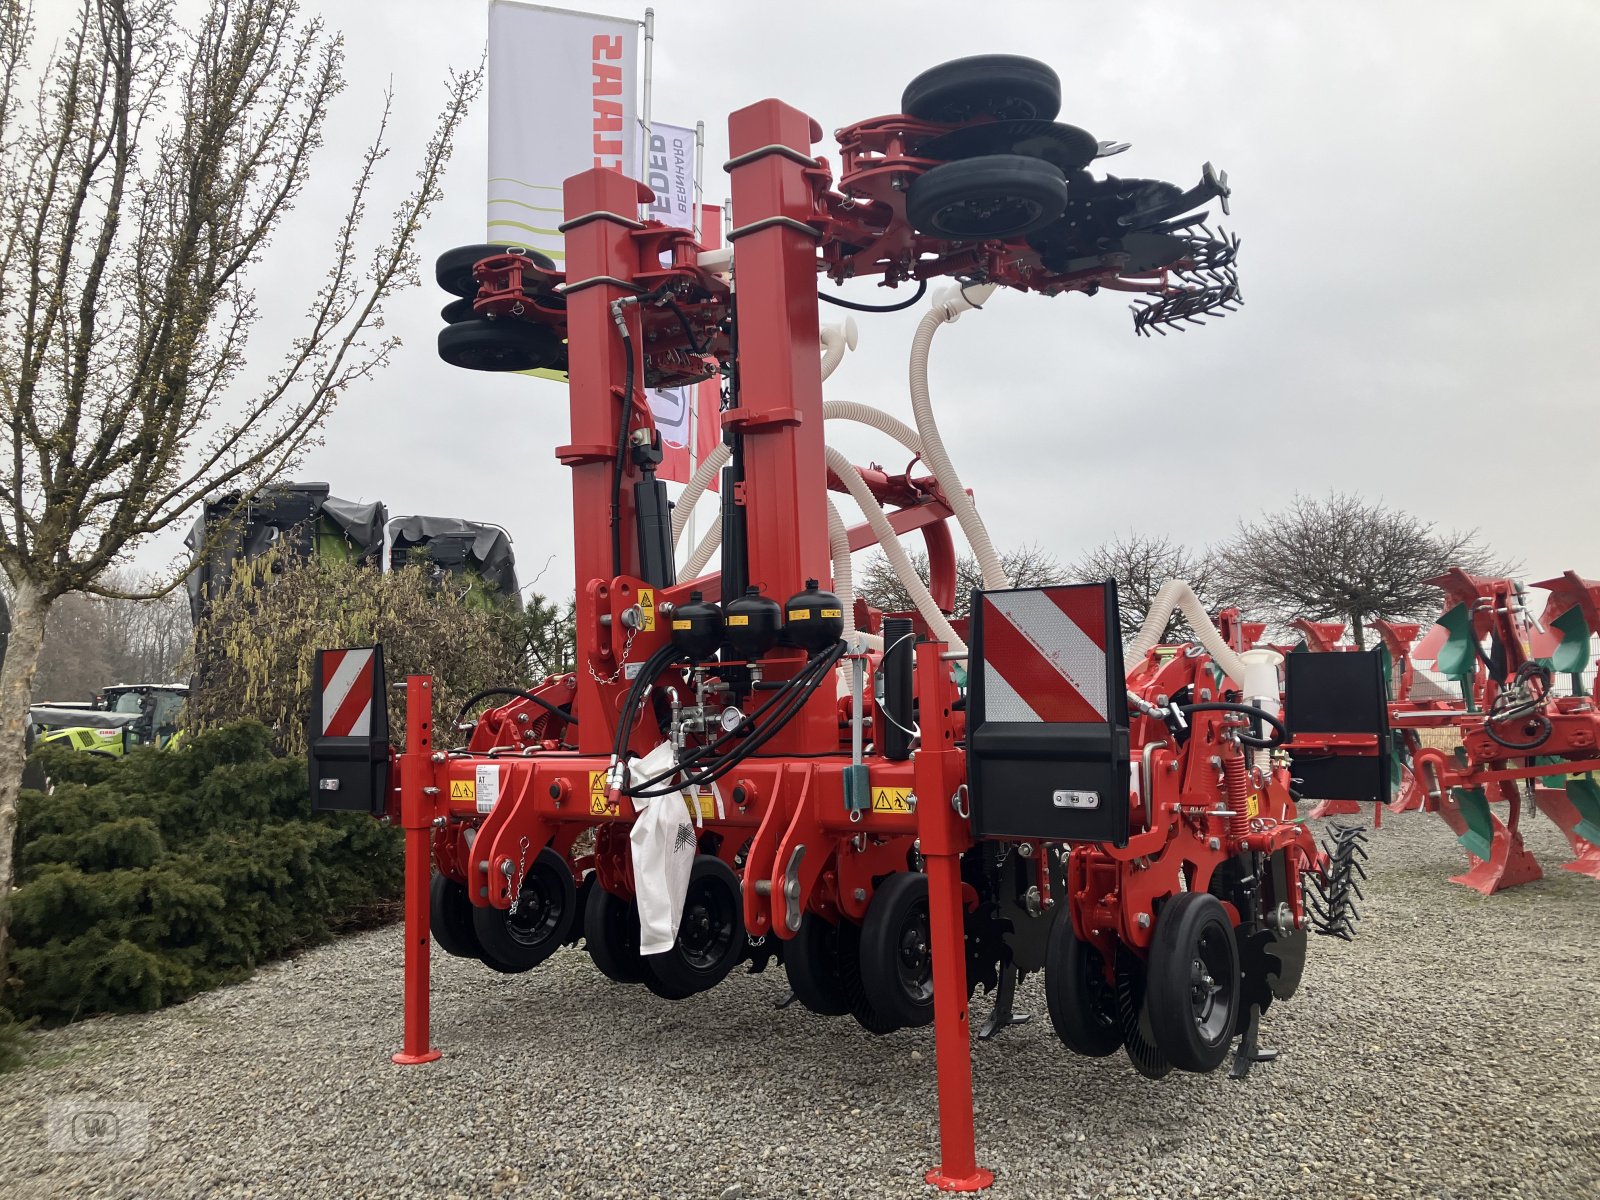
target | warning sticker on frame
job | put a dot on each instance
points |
(647, 610)
(891, 800)
(465, 790)
(599, 804)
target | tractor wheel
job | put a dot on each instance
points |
(1003, 86)
(547, 905)
(1193, 985)
(710, 939)
(611, 935)
(897, 952)
(1083, 1002)
(450, 918)
(453, 270)
(995, 196)
(502, 345)
(811, 961)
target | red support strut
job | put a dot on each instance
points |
(416, 817)
(945, 834)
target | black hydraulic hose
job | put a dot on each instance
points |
(793, 698)
(856, 306)
(683, 320)
(619, 466)
(644, 680)
(1248, 710)
(518, 693)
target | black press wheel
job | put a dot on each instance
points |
(547, 905)
(1192, 992)
(611, 935)
(812, 961)
(506, 344)
(450, 917)
(457, 311)
(1003, 86)
(1082, 999)
(453, 270)
(710, 939)
(994, 196)
(897, 950)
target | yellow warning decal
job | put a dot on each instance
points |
(799, 614)
(891, 800)
(647, 610)
(825, 613)
(683, 624)
(599, 804)
(464, 789)
(738, 619)
(1252, 806)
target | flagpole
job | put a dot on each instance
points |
(694, 398)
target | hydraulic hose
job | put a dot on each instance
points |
(947, 308)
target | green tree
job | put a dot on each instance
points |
(143, 183)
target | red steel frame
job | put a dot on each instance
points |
(780, 804)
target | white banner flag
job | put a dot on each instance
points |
(669, 172)
(562, 99)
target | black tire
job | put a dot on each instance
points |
(710, 939)
(811, 961)
(1082, 1001)
(547, 905)
(1192, 992)
(611, 935)
(506, 344)
(995, 196)
(453, 269)
(450, 918)
(897, 950)
(585, 889)
(457, 311)
(1003, 86)
(861, 1009)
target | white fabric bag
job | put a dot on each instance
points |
(664, 845)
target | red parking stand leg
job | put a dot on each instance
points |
(944, 835)
(416, 817)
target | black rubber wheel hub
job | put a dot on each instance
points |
(1002, 86)
(505, 344)
(453, 269)
(450, 917)
(611, 935)
(812, 964)
(711, 937)
(995, 196)
(897, 950)
(547, 905)
(1193, 986)
(1081, 998)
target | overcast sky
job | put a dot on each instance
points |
(1409, 180)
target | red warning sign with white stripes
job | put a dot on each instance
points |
(347, 687)
(1044, 655)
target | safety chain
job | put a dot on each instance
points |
(627, 645)
(522, 874)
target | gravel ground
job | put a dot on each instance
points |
(1451, 1052)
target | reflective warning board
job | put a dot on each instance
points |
(1047, 714)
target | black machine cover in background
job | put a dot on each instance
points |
(1333, 693)
(1060, 780)
(293, 515)
(457, 546)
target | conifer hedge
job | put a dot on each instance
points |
(143, 880)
